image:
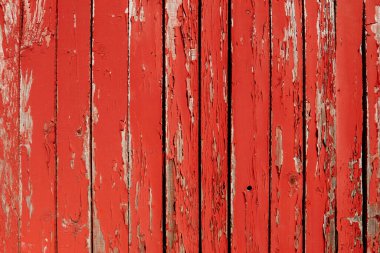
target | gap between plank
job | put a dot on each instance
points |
(365, 132)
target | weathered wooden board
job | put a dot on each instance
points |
(144, 135)
(38, 126)
(10, 189)
(372, 11)
(214, 132)
(182, 125)
(287, 135)
(109, 126)
(349, 118)
(250, 43)
(73, 126)
(320, 185)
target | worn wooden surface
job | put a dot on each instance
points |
(250, 141)
(320, 92)
(185, 126)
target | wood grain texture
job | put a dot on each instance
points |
(184, 126)
(321, 178)
(372, 22)
(214, 132)
(37, 122)
(250, 125)
(9, 125)
(182, 114)
(349, 116)
(144, 138)
(287, 169)
(109, 119)
(73, 126)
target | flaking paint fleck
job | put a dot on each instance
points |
(179, 144)
(34, 31)
(290, 32)
(173, 22)
(279, 149)
(375, 28)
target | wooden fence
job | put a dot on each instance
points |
(189, 126)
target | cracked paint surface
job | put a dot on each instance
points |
(349, 125)
(250, 126)
(287, 185)
(181, 112)
(38, 170)
(373, 124)
(321, 127)
(214, 118)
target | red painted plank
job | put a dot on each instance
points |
(73, 128)
(181, 54)
(287, 184)
(214, 104)
(250, 125)
(321, 127)
(144, 124)
(9, 125)
(349, 116)
(373, 163)
(38, 88)
(109, 126)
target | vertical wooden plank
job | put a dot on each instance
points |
(109, 126)
(9, 125)
(144, 124)
(287, 178)
(250, 124)
(38, 88)
(181, 57)
(320, 126)
(349, 118)
(214, 132)
(73, 129)
(372, 22)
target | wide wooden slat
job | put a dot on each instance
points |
(144, 135)
(109, 126)
(182, 114)
(372, 22)
(37, 112)
(73, 126)
(321, 178)
(250, 126)
(9, 125)
(287, 169)
(349, 117)
(214, 132)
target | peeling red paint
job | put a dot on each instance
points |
(321, 127)
(181, 112)
(250, 122)
(214, 120)
(373, 139)
(154, 126)
(287, 179)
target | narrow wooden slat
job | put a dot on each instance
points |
(73, 126)
(349, 116)
(250, 125)
(214, 132)
(109, 126)
(9, 125)
(372, 9)
(287, 178)
(181, 54)
(321, 127)
(37, 94)
(144, 133)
